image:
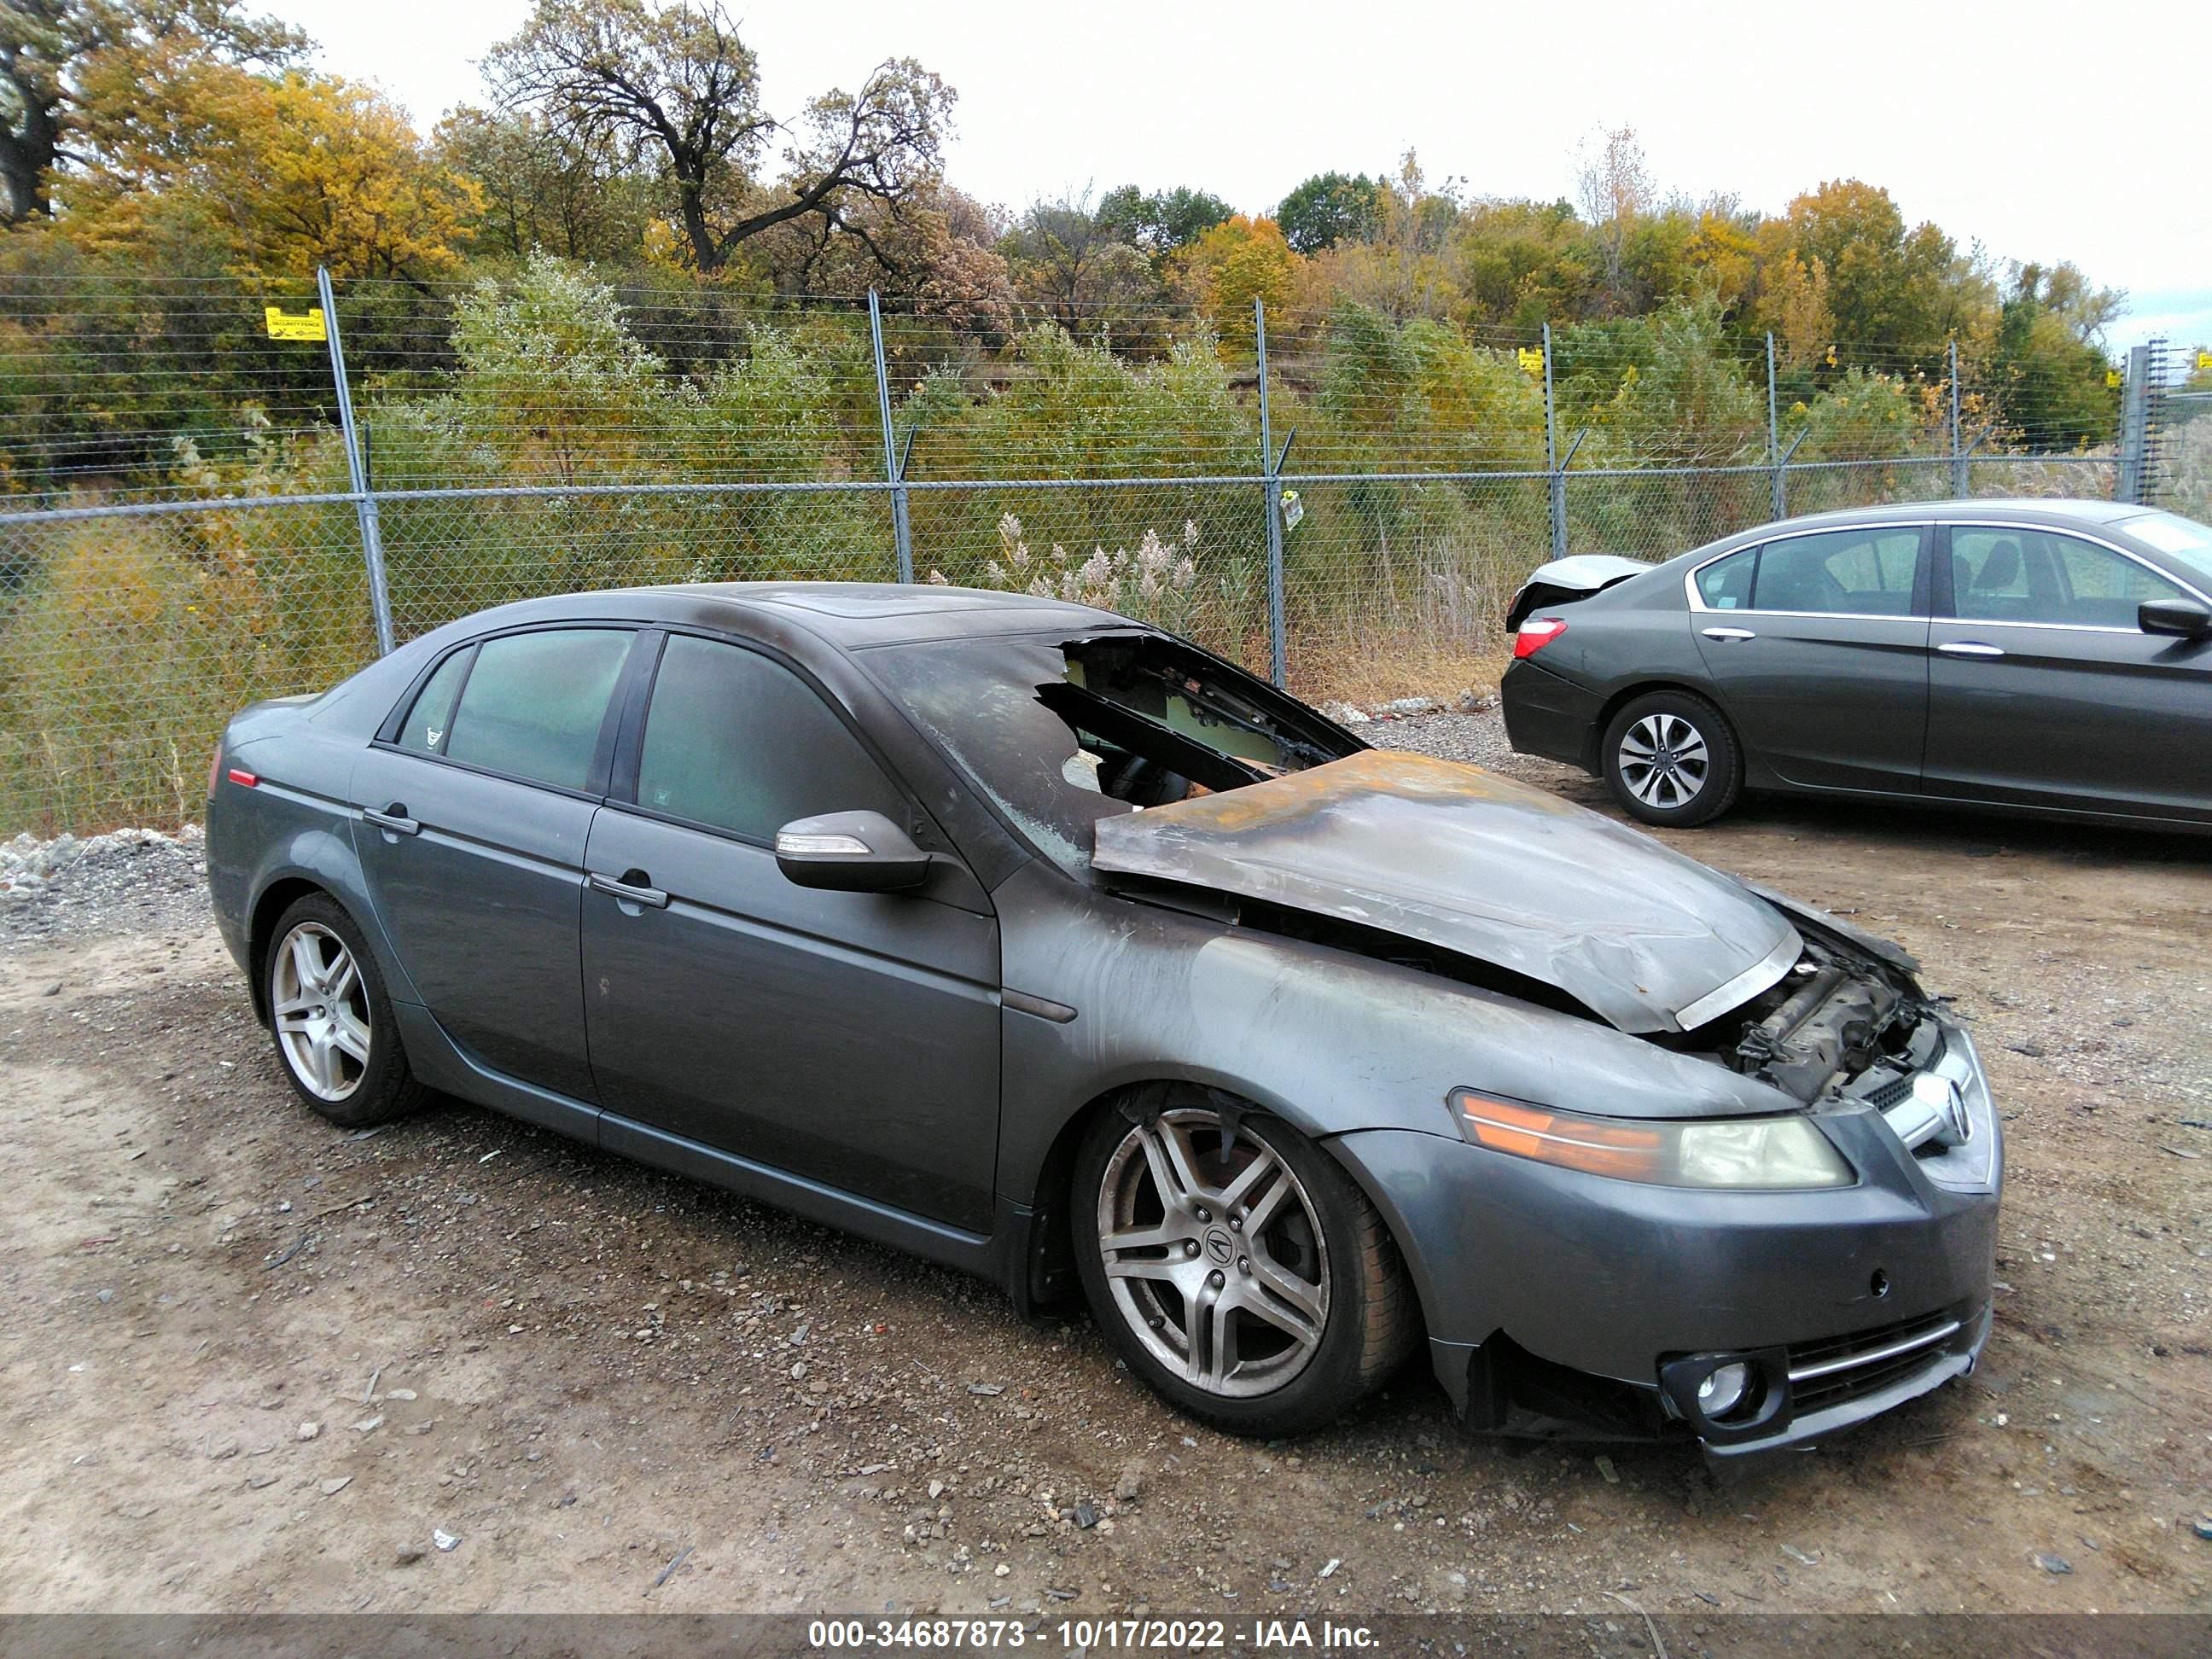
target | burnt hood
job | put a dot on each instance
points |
(1464, 860)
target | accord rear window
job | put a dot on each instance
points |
(534, 702)
(1865, 573)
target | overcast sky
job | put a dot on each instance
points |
(2044, 130)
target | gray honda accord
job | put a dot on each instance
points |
(1046, 945)
(2051, 656)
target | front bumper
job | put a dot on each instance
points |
(1555, 1299)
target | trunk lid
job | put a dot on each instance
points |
(1464, 860)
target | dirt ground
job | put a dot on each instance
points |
(254, 1363)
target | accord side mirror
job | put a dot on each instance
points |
(2185, 617)
(850, 852)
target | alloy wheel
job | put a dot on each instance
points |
(1664, 762)
(1214, 1252)
(321, 1005)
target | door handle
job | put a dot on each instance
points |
(393, 820)
(1730, 634)
(1969, 648)
(635, 888)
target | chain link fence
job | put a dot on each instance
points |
(182, 531)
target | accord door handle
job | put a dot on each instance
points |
(1969, 648)
(393, 819)
(635, 888)
(1730, 634)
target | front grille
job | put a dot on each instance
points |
(1836, 1369)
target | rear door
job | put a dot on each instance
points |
(1817, 643)
(476, 803)
(2046, 692)
(850, 1038)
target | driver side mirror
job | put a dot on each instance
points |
(850, 852)
(2184, 617)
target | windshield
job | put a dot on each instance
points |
(1059, 734)
(2185, 541)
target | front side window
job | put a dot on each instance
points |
(1863, 573)
(2018, 574)
(534, 703)
(737, 742)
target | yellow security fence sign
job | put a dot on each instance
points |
(295, 326)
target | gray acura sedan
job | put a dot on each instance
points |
(2045, 656)
(1046, 945)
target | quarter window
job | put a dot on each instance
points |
(1725, 584)
(737, 742)
(1866, 572)
(2008, 574)
(432, 717)
(534, 703)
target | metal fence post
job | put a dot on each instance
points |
(2134, 427)
(371, 530)
(1773, 426)
(1278, 623)
(894, 473)
(1552, 456)
(1959, 475)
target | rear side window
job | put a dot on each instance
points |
(533, 704)
(737, 742)
(432, 717)
(1865, 573)
(1725, 584)
(2026, 576)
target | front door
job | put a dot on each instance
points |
(2046, 692)
(476, 810)
(1818, 646)
(848, 1038)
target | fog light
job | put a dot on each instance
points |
(1723, 1390)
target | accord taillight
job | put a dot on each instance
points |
(1537, 633)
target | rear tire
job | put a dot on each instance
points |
(330, 1018)
(1670, 759)
(1248, 1282)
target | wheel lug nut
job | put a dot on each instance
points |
(1244, 1264)
(1236, 1223)
(1215, 1277)
(1204, 1214)
(1190, 1246)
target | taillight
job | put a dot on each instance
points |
(1537, 633)
(240, 775)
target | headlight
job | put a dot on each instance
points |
(1763, 1153)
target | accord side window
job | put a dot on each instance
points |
(2017, 574)
(736, 741)
(1865, 572)
(533, 704)
(1725, 584)
(431, 718)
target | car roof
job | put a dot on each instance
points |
(848, 615)
(2011, 509)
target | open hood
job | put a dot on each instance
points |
(1466, 861)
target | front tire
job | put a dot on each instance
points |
(331, 1020)
(1670, 759)
(1243, 1276)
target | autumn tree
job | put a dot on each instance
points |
(578, 196)
(676, 81)
(1239, 260)
(1078, 263)
(284, 172)
(55, 53)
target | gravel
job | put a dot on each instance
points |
(125, 881)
